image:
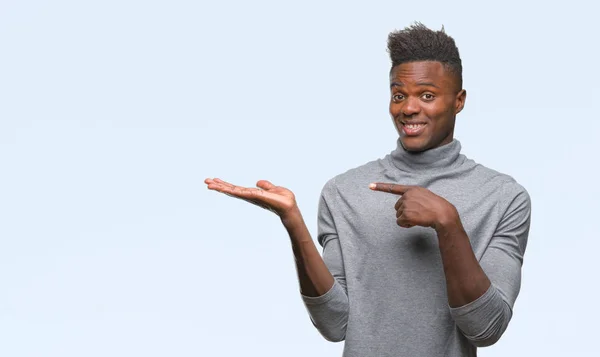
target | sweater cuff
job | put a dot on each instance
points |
(474, 306)
(484, 320)
(335, 290)
(329, 312)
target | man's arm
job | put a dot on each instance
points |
(313, 275)
(329, 312)
(480, 293)
(484, 320)
(324, 296)
(465, 279)
(418, 206)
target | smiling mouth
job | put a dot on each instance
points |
(413, 129)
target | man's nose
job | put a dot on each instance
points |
(411, 106)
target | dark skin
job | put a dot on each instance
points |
(424, 93)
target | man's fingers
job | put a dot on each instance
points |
(399, 203)
(399, 211)
(390, 187)
(230, 189)
(243, 193)
(218, 180)
(403, 222)
(265, 185)
(223, 186)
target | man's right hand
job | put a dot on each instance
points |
(314, 276)
(276, 199)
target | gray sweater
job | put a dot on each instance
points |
(389, 295)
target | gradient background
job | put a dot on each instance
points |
(112, 113)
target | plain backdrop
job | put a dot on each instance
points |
(112, 113)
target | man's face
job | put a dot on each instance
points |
(425, 98)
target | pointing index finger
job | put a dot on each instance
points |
(389, 187)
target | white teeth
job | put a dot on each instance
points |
(414, 126)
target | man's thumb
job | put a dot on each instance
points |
(265, 185)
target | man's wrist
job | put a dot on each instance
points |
(295, 226)
(292, 217)
(447, 221)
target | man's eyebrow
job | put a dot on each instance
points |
(400, 84)
(430, 84)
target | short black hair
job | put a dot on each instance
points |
(419, 43)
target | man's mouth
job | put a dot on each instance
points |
(413, 129)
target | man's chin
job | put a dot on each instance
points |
(414, 145)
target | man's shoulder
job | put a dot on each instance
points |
(498, 181)
(356, 176)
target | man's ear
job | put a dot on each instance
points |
(461, 97)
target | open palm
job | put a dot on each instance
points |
(276, 199)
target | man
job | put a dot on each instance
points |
(422, 249)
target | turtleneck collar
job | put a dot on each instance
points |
(441, 158)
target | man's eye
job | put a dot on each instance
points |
(397, 97)
(428, 96)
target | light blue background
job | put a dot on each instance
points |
(112, 113)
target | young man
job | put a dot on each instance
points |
(422, 249)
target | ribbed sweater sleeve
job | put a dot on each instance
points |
(484, 320)
(329, 312)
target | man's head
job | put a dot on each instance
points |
(426, 86)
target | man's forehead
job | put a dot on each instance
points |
(419, 68)
(423, 73)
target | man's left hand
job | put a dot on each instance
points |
(418, 206)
